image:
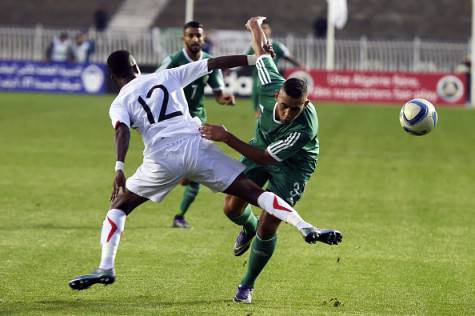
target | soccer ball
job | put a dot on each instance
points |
(418, 117)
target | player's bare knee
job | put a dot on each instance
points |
(233, 206)
(244, 188)
(127, 202)
(120, 203)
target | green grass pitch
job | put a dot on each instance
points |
(405, 204)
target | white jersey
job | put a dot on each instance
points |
(156, 106)
(60, 50)
(83, 51)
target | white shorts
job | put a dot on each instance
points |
(190, 157)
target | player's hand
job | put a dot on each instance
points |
(257, 19)
(185, 181)
(269, 49)
(218, 133)
(119, 182)
(227, 99)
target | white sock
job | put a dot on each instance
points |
(112, 228)
(277, 207)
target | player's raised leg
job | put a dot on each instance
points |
(246, 189)
(112, 228)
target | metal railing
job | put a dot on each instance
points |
(152, 46)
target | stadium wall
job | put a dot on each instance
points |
(374, 19)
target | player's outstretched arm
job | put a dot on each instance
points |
(231, 61)
(220, 134)
(259, 40)
(122, 139)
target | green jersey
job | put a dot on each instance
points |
(280, 52)
(194, 92)
(294, 144)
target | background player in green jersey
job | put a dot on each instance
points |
(283, 154)
(280, 51)
(193, 39)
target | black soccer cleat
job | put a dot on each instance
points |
(101, 276)
(327, 236)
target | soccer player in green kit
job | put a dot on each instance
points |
(280, 52)
(193, 38)
(283, 154)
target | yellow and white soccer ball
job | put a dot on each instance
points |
(418, 117)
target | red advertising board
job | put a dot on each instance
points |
(383, 87)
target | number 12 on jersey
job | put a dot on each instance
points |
(162, 116)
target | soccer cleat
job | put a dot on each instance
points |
(243, 295)
(242, 243)
(101, 276)
(180, 222)
(327, 236)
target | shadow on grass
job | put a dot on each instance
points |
(53, 226)
(56, 226)
(120, 305)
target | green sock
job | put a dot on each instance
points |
(247, 220)
(191, 191)
(261, 251)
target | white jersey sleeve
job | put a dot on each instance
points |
(118, 113)
(188, 73)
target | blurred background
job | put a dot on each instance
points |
(419, 42)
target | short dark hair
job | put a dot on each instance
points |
(266, 21)
(194, 24)
(295, 88)
(121, 63)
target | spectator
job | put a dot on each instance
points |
(465, 67)
(101, 19)
(60, 49)
(83, 48)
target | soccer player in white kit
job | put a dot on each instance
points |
(155, 105)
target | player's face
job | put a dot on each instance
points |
(194, 39)
(289, 108)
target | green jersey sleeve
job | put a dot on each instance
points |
(287, 145)
(167, 63)
(280, 50)
(216, 80)
(270, 80)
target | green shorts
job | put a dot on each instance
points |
(287, 183)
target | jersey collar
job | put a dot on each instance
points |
(189, 58)
(273, 115)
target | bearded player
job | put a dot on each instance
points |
(193, 39)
